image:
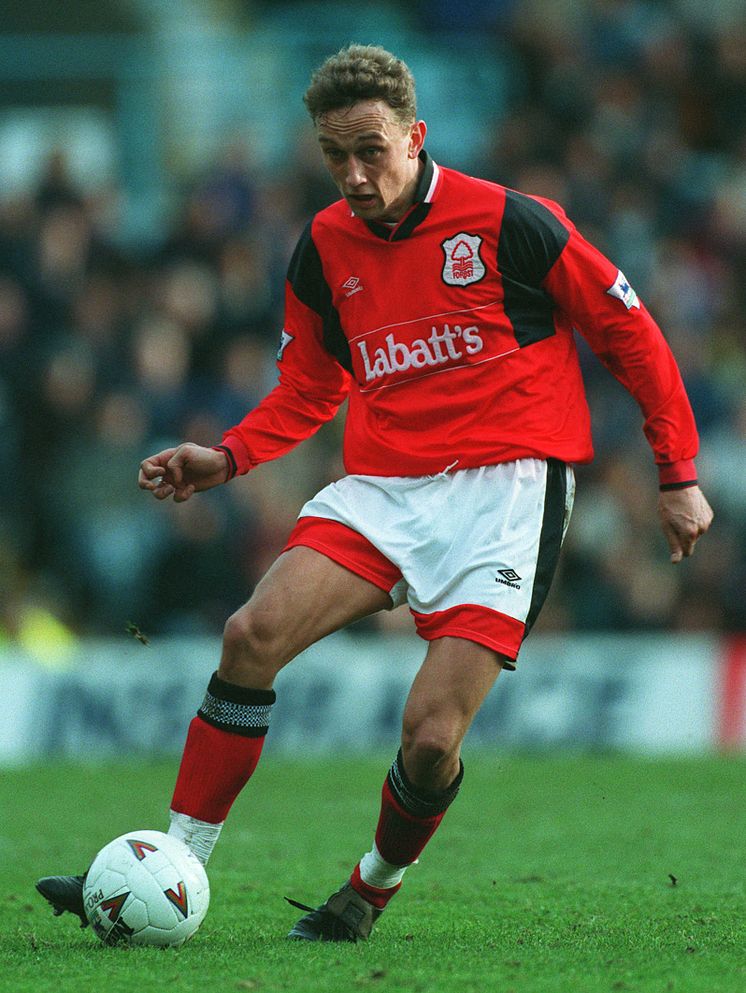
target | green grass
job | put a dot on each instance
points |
(547, 875)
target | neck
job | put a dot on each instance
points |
(408, 194)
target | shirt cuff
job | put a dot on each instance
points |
(232, 467)
(677, 475)
(237, 455)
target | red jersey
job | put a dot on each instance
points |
(451, 333)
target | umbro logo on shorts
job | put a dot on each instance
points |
(508, 577)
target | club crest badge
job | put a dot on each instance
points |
(463, 263)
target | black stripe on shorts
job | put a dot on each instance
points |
(550, 540)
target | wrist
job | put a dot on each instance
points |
(677, 475)
(230, 462)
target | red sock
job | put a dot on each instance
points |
(215, 767)
(222, 750)
(408, 819)
(401, 836)
(373, 894)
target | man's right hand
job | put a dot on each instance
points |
(181, 472)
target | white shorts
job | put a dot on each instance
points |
(472, 552)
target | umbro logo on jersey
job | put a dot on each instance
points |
(623, 291)
(463, 263)
(508, 577)
(352, 285)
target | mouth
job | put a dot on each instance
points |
(361, 200)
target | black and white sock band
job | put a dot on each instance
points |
(237, 709)
(420, 803)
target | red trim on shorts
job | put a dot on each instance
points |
(486, 627)
(347, 547)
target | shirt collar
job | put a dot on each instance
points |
(423, 199)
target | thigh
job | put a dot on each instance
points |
(305, 596)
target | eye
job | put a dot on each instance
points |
(335, 154)
(372, 152)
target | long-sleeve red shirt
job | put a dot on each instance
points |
(451, 334)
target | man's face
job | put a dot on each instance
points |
(372, 158)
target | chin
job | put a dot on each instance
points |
(373, 212)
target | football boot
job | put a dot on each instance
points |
(345, 916)
(65, 893)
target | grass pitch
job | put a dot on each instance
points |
(549, 874)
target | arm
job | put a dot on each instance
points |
(616, 324)
(619, 329)
(607, 312)
(312, 386)
(312, 382)
(310, 391)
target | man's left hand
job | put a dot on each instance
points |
(685, 515)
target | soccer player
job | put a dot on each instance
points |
(442, 307)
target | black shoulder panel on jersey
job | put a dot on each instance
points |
(531, 240)
(335, 340)
(306, 276)
(304, 272)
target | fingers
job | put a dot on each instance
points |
(674, 543)
(182, 494)
(158, 486)
(162, 490)
(148, 474)
(163, 475)
(683, 551)
(175, 469)
(683, 540)
(152, 471)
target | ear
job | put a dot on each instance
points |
(416, 139)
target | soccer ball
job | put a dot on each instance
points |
(146, 888)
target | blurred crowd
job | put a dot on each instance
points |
(632, 116)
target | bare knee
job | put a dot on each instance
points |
(431, 749)
(253, 649)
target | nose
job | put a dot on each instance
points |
(355, 173)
